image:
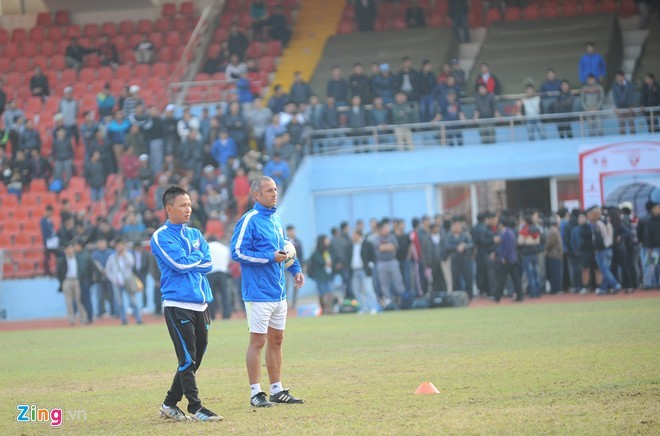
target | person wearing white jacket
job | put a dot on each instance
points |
(118, 270)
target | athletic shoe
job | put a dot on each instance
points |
(204, 414)
(285, 397)
(584, 291)
(601, 292)
(259, 400)
(173, 412)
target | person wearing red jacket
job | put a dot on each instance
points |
(130, 168)
(489, 80)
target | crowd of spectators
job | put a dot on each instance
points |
(527, 255)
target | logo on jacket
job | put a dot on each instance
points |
(195, 244)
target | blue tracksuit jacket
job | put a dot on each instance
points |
(258, 234)
(184, 259)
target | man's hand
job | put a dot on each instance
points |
(280, 256)
(497, 239)
(299, 280)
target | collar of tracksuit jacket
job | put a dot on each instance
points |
(264, 210)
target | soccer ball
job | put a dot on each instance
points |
(290, 251)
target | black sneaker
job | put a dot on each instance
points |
(259, 400)
(285, 397)
(204, 414)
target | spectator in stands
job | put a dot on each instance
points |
(550, 89)
(459, 76)
(330, 114)
(20, 167)
(290, 112)
(365, 14)
(530, 108)
(313, 113)
(49, 237)
(144, 50)
(427, 81)
(100, 257)
(132, 230)
(75, 54)
(39, 166)
(258, 14)
(130, 167)
(132, 101)
(223, 148)
(459, 247)
(119, 269)
(39, 84)
(139, 117)
(134, 139)
(359, 84)
(554, 252)
(170, 125)
(489, 80)
(279, 170)
(95, 176)
(88, 132)
(236, 126)
(244, 90)
(105, 102)
(591, 63)
(296, 131)
(592, 97)
(192, 155)
(237, 41)
(458, 11)
(29, 138)
(453, 113)
(11, 114)
(507, 259)
(108, 54)
(258, 118)
(63, 157)
(3, 95)
(187, 123)
(404, 112)
(337, 87)
(357, 120)
(278, 28)
(278, 100)
(484, 109)
(390, 280)
(407, 80)
(117, 130)
(66, 232)
(273, 130)
(241, 191)
(651, 98)
(530, 245)
(153, 132)
(219, 62)
(383, 85)
(563, 104)
(68, 272)
(15, 134)
(380, 116)
(300, 90)
(623, 95)
(235, 68)
(415, 16)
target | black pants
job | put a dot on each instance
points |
(461, 267)
(486, 281)
(189, 332)
(505, 270)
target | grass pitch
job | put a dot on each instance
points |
(575, 368)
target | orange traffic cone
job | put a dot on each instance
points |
(427, 388)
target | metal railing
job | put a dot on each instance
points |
(483, 131)
(191, 55)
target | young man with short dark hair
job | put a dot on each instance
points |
(184, 259)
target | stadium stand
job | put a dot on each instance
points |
(520, 52)
(437, 45)
(650, 59)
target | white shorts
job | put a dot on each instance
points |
(261, 315)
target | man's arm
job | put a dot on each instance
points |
(174, 255)
(241, 242)
(206, 265)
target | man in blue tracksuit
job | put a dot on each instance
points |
(258, 244)
(184, 259)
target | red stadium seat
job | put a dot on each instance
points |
(38, 186)
(37, 34)
(44, 19)
(91, 30)
(157, 39)
(173, 39)
(40, 60)
(135, 39)
(628, 8)
(532, 12)
(29, 49)
(493, 16)
(109, 28)
(220, 34)
(62, 44)
(105, 74)
(18, 35)
(55, 33)
(549, 11)
(22, 65)
(47, 48)
(181, 24)
(215, 228)
(5, 65)
(57, 62)
(163, 24)
(87, 75)
(274, 48)
(127, 27)
(33, 105)
(62, 18)
(141, 71)
(166, 54)
(120, 42)
(267, 63)
(8, 201)
(14, 79)
(68, 77)
(589, 8)
(128, 56)
(608, 6)
(160, 69)
(169, 10)
(145, 26)
(512, 14)
(123, 72)
(4, 36)
(187, 8)
(73, 31)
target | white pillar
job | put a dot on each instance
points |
(474, 202)
(554, 197)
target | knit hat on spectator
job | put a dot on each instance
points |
(134, 89)
(144, 157)
(68, 90)
(170, 108)
(384, 67)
